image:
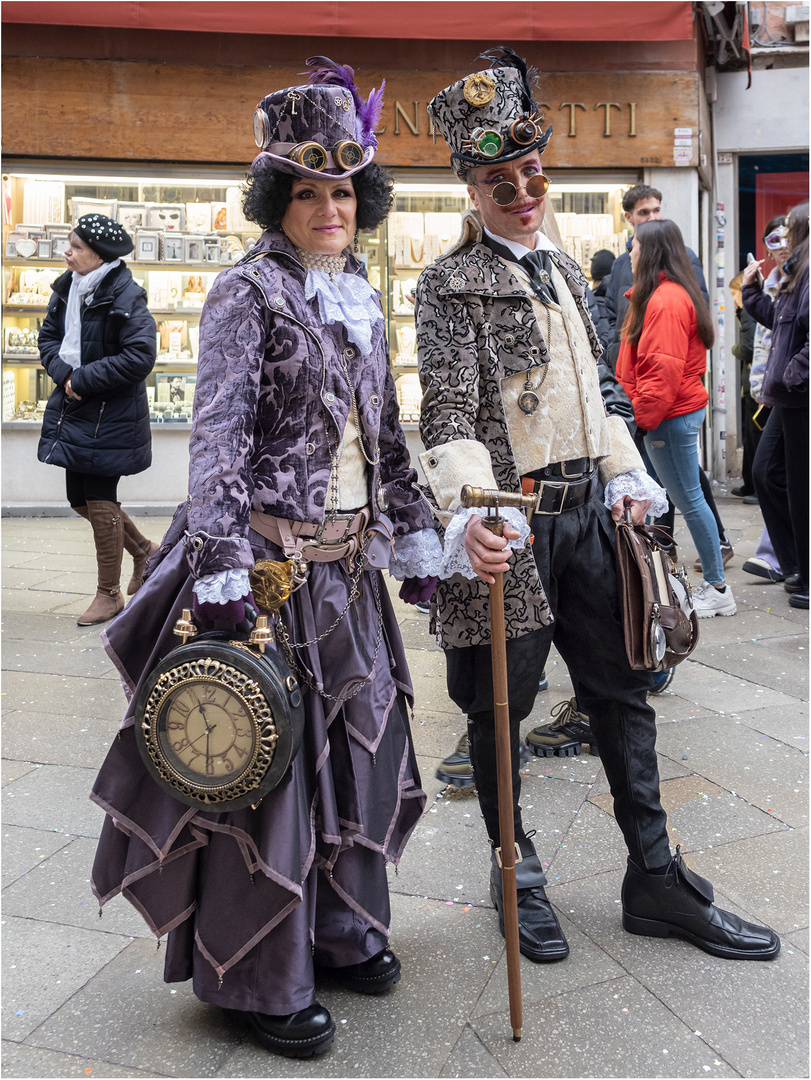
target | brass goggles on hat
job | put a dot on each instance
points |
(505, 193)
(776, 239)
(312, 155)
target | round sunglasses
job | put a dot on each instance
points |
(505, 193)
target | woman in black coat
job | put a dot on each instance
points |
(97, 343)
(781, 463)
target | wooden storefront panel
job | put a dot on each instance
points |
(184, 113)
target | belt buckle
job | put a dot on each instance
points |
(576, 475)
(347, 518)
(560, 489)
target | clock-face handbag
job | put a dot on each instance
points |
(218, 722)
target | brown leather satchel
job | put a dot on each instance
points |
(660, 626)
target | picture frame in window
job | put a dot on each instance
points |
(147, 246)
(132, 216)
(172, 247)
(168, 217)
(81, 206)
(44, 249)
(52, 231)
(212, 251)
(175, 388)
(59, 245)
(193, 249)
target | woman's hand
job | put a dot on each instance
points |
(418, 590)
(486, 551)
(750, 273)
(638, 507)
(69, 391)
(228, 616)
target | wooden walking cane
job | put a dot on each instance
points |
(472, 496)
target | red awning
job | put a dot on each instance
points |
(455, 20)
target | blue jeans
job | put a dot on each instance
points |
(673, 450)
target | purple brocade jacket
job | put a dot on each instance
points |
(270, 408)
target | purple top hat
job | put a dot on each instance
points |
(323, 129)
(490, 116)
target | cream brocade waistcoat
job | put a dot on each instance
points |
(559, 429)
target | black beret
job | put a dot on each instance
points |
(105, 236)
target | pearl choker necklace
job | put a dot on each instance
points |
(330, 264)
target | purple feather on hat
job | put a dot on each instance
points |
(366, 112)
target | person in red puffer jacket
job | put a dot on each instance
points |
(661, 365)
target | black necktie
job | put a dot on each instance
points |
(539, 267)
(536, 264)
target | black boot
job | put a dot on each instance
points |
(679, 904)
(540, 937)
(300, 1034)
(373, 976)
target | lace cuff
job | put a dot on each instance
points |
(638, 485)
(418, 554)
(456, 559)
(223, 586)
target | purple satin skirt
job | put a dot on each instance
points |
(254, 900)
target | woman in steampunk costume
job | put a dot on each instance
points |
(296, 453)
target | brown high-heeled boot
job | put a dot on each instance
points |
(137, 545)
(108, 535)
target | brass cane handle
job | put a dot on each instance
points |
(476, 496)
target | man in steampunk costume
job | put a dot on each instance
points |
(507, 357)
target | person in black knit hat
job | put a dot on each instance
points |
(97, 343)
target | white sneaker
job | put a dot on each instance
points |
(708, 601)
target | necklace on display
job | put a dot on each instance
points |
(330, 264)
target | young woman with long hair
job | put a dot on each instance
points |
(661, 365)
(780, 468)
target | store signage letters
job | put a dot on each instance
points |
(412, 119)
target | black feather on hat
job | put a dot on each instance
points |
(503, 56)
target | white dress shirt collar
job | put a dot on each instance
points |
(543, 243)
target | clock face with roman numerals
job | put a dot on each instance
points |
(217, 723)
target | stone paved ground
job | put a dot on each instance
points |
(85, 997)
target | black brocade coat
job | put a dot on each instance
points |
(107, 433)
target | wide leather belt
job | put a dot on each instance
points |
(575, 469)
(340, 538)
(556, 496)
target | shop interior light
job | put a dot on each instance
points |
(430, 189)
(106, 180)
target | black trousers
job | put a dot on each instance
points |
(781, 480)
(83, 488)
(576, 557)
(751, 438)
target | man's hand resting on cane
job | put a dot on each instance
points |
(486, 550)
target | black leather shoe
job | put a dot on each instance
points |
(300, 1034)
(794, 584)
(540, 937)
(373, 976)
(679, 904)
(799, 599)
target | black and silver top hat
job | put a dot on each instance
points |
(490, 115)
(322, 129)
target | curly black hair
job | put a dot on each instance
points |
(267, 195)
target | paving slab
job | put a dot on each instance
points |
(54, 797)
(774, 778)
(71, 740)
(75, 694)
(35, 626)
(23, 850)
(44, 965)
(55, 658)
(470, 1059)
(629, 1033)
(593, 845)
(25, 601)
(42, 578)
(21, 1060)
(734, 1004)
(768, 619)
(711, 689)
(13, 770)
(128, 1015)
(702, 814)
(58, 890)
(767, 876)
(778, 662)
(789, 724)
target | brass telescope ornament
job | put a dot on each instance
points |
(506, 854)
